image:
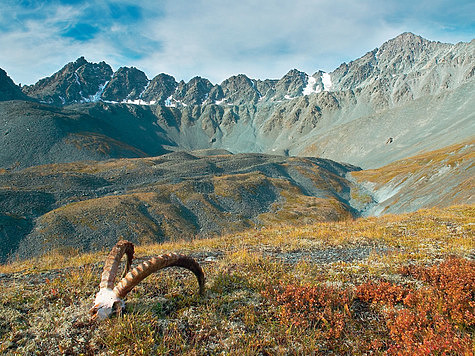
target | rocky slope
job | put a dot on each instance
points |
(34, 133)
(438, 178)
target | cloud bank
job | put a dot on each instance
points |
(215, 39)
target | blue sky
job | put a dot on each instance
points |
(215, 38)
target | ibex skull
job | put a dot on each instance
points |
(110, 298)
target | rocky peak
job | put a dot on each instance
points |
(291, 85)
(126, 84)
(406, 51)
(79, 81)
(80, 62)
(195, 92)
(239, 89)
(406, 39)
(8, 89)
(160, 88)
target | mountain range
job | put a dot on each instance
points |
(274, 143)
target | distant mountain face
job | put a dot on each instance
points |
(406, 68)
(415, 93)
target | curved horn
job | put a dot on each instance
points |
(146, 268)
(113, 260)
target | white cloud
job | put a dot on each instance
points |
(265, 38)
(214, 38)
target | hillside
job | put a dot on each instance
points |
(398, 282)
(437, 178)
(88, 205)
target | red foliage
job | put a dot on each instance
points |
(312, 306)
(454, 283)
(437, 319)
(433, 319)
(382, 292)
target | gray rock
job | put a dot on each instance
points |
(126, 84)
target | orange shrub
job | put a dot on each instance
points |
(382, 292)
(312, 306)
(454, 283)
(436, 319)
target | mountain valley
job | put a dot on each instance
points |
(90, 154)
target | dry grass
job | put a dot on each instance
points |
(278, 290)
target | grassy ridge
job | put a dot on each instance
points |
(439, 178)
(340, 287)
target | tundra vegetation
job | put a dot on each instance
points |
(395, 284)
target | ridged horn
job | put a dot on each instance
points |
(146, 268)
(113, 260)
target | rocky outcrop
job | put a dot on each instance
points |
(8, 89)
(195, 92)
(291, 85)
(239, 89)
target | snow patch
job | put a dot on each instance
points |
(169, 103)
(77, 78)
(311, 87)
(219, 102)
(139, 102)
(327, 82)
(97, 96)
(145, 88)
